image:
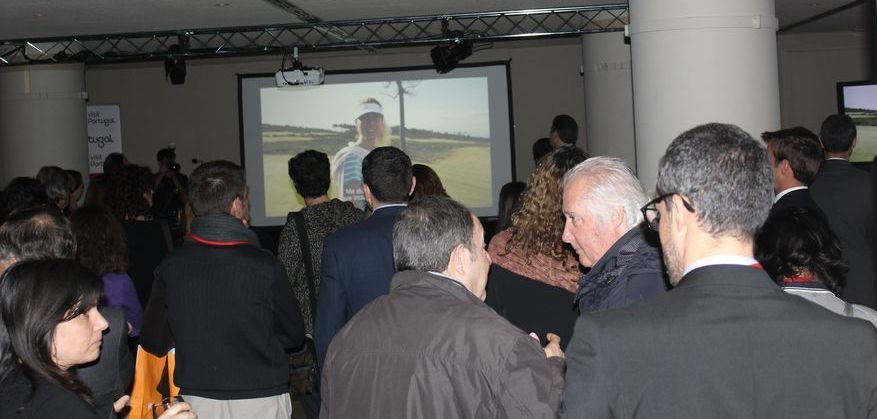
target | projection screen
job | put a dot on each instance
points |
(459, 124)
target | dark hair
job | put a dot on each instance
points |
(837, 133)
(797, 239)
(541, 147)
(214, 186)
(56, 182)
(75, 179)
(35, 296)
(113, 163)
(309, 171)
(21, 193)
(428, 231)
(724, 173)
(37, 233)
(509, 197)
(387, 172)
(566, 127)
(427, 182)
(125, 190)
(101, 240)
(800, 147)
(166, 153)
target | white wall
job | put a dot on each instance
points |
(810, 67)
(201, 116)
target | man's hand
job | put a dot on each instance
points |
(552, 349)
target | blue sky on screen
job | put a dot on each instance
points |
(458, 105)
(861, 97)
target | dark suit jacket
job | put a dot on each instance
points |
(357, 268)
(846, 195)
(725, 343)
(108, 378)
(796, 199)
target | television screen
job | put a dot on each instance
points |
(458, 124)
(859, 101)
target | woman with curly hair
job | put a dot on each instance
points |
(102, 249)
(534, 278)
(801, 253)
(129, 196)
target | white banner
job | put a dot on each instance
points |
(104, 135)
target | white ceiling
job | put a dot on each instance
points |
(30, 19)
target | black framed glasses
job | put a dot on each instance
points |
(650, 209)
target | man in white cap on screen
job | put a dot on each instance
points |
(347, 163)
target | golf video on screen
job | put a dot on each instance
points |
(457, 124)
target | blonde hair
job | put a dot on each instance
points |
(537, 226)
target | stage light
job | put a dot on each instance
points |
(446, 57)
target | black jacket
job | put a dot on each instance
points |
(632, 269)
(726, 342)
(230, 310)
(845, 194)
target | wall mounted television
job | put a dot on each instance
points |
(858, 99)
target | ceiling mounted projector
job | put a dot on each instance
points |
(298, 74)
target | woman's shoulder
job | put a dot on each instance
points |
(48, 400)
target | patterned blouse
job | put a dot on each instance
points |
(320, 221)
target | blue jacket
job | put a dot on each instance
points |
(630, 270)
(357, 268)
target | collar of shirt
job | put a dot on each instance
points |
(720, 260)
(836, 158)
(390, 205)
(786, 191)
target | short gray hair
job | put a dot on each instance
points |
(610, 183)
(428, 231)
(726, 176)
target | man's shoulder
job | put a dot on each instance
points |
(190, 251)
(367, 229)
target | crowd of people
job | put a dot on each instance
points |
(744, 286)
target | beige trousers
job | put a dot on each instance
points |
(275, 407)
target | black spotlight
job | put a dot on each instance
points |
(174, 67)
(446, 57)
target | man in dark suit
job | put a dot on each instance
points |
(358, 260)
(795, 155)
(726, 341)
(846, 195)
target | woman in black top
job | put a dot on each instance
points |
(48, 323)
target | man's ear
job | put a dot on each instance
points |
(457, 262)
(237, 208)
(786, 168)
(413, 183)
(679, 215)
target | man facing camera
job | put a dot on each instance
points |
(726, 342)
(432, 348)
(795, 155)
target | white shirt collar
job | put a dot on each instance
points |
(720, 260)
(786, 191)
(837, 158)
(390, 205)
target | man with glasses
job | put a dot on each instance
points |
(726, 341)
(601, 201)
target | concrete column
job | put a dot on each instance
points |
(608, 96)
(699, 61)
(42, 119)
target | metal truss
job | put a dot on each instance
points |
(317, 36)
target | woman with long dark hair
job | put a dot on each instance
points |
(49, 322)
(102, 249)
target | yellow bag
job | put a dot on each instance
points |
(149, 371)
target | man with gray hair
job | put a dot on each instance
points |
(432, 348)
(601, 201)
(726, 341)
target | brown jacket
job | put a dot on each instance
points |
(432, 349)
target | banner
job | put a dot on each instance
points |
(104, 135)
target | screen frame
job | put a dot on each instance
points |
(841, 110)
(509, 96)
